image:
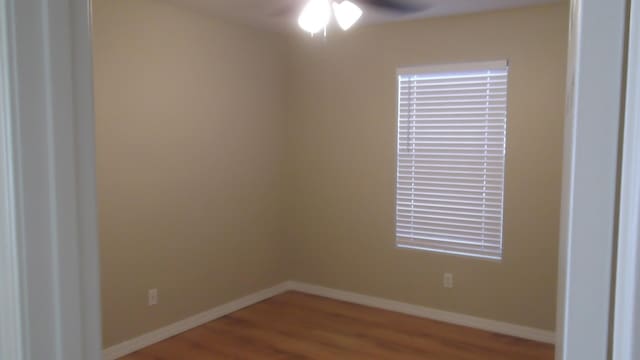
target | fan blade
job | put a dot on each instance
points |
(397, 5)
(286, 10)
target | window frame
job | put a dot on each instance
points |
(451, 68)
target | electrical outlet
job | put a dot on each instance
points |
(448, 280)
(152, 296)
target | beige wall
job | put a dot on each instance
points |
(341, 137)
(207, 130)
(190, 149)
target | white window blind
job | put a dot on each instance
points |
(451, 155)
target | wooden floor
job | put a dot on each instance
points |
(299, 326)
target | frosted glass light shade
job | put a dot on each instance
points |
(346, 13)
(315, 16)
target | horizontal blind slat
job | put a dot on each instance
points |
(441, 89)
(465, 139)
(448, 122)
(423, 220)
(466, 95)
(478, 252)
(439, 219)
(418, 131)
(476, 210)
(496, 112)
(447, 240)
(471, 188)
(472, 234)
(413, 108)
(487, 247)
(425, 159)
(456, 155)
(456, 148)
(479, 214)
(422, 180)
(410, 192)
(486, 79)
(494, 100)
(467, 204)
(456, 172)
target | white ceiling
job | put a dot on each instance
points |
(282, 14)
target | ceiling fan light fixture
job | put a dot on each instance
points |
(346, 13)
(315, 16)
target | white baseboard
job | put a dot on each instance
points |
(140, 342)
(166, 332)
(429, 313)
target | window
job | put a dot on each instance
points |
(451, 154)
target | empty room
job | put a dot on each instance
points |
(329, 179)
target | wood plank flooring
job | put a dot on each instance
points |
(300, 326)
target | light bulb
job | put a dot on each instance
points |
(315, 16)
(347, 13)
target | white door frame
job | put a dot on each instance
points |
(48, 200)
(589, 206)
(11, 319)
(626, 332)
(48, 207)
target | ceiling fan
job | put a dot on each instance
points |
(316, 14)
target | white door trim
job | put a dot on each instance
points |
(85, 162)
(51, 163)
(626, 337)
(12, 337)
(595, 74)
